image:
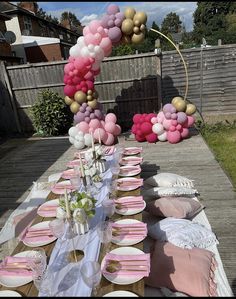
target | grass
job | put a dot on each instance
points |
(221, 138)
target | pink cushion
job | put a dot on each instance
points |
(177, 207)
(190, 271)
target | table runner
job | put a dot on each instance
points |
(69, 275)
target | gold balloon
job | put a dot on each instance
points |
(89, 97)
(129, 12)
(137, 38)
(74, 107)
(141, 17)
(191, 108)
(68, 100)
(125, 39)
(89, 92)
(176, 99)
(136, 29)
(180, 105)
(137, 23)
(143, 28)
(127, 26)
(80, 97)
(93, 103)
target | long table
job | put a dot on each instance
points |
(29, 290)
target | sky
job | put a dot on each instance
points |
(156, 11)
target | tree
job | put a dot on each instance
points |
(171, 24)
(71, 17)
(42, 14)
(151, 35)
(210, 21)
(121, 50)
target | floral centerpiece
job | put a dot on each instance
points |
(82, 207)
(95, 163)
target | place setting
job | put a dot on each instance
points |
(131, 160)
(129, 170)
(129, 205)
(60, 187)
(49, 208)
(134, 150)
(128, 184)
(125, 265)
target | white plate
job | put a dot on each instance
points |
(44, 224)
(133, 150)
(123, 279)
(16, 281)
(9, 293)
(126, 241)
(48, 203)
(130, 211)
(120, 294)
(68, 173)
(131, 160)
(62, 191)
(128, 188)
(134, 170)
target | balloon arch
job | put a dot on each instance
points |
(84, 65)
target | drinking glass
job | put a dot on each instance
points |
(108, 207)
(75, 181)
(115, 169)
(104, 230)
(91, 274)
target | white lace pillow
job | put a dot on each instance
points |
(183, 233)
(168, 180)
(157, 192)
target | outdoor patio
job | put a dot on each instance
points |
(24, 161)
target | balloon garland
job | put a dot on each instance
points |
(84, 65)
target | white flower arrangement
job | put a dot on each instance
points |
(81, 204)
(91, 168)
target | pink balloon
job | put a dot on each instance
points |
(117, 130)
(140, 138)
(87, 119)
(166, 124)
(191, 120)
(68, 67)
(86, 31)
(109, 140)
(110, 127)
(179, 127)
(174, 116)
(174, 122)
(134, 129)
(136, 118)
(69, 90)
(94, 25)
(181, 117)
(154, 120)
(184, 133)
(146, 128)
(89, 76)
(172, 128)
(173, 137)
(102, 122)
(151, 138)
(84, 127)
(167, 108)
(111, 117)
(95, 123)
(168, 115)
(103, 133)
(93, 39)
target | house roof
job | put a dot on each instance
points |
(32, 41)
(4, 17)
(9, 8)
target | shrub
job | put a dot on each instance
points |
(51, 116)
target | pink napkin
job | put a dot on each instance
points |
(34, 234)
(67, 174)
(48, 210)
(130, 231)
(9, 261)
(132, 226)
(137, 258)
(131, 182)
(135, 150)
(131, 160)
(130, 170)
(129, 199)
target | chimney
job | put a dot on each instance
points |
(31, 6)
(66, 23)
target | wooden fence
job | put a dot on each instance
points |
(130, 84)
(126, 85)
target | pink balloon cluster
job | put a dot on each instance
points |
(142, 127)
(107, 129)
(171, 125)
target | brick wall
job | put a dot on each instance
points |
(43, 53)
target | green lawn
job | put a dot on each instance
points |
(222, 141)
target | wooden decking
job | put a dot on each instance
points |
(23, 161)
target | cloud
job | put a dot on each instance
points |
(87, 19)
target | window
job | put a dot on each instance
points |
(66, 52)
(28, 24)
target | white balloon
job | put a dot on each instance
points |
(71, 139)
(91, 48)
(99, 53)
(75, 51)
(87, 139)
(158, 129)
(80, 41)
(162, 137)
(73, 131)
(85, 52)
(79, 138)
(79, 144)
(80, 133)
